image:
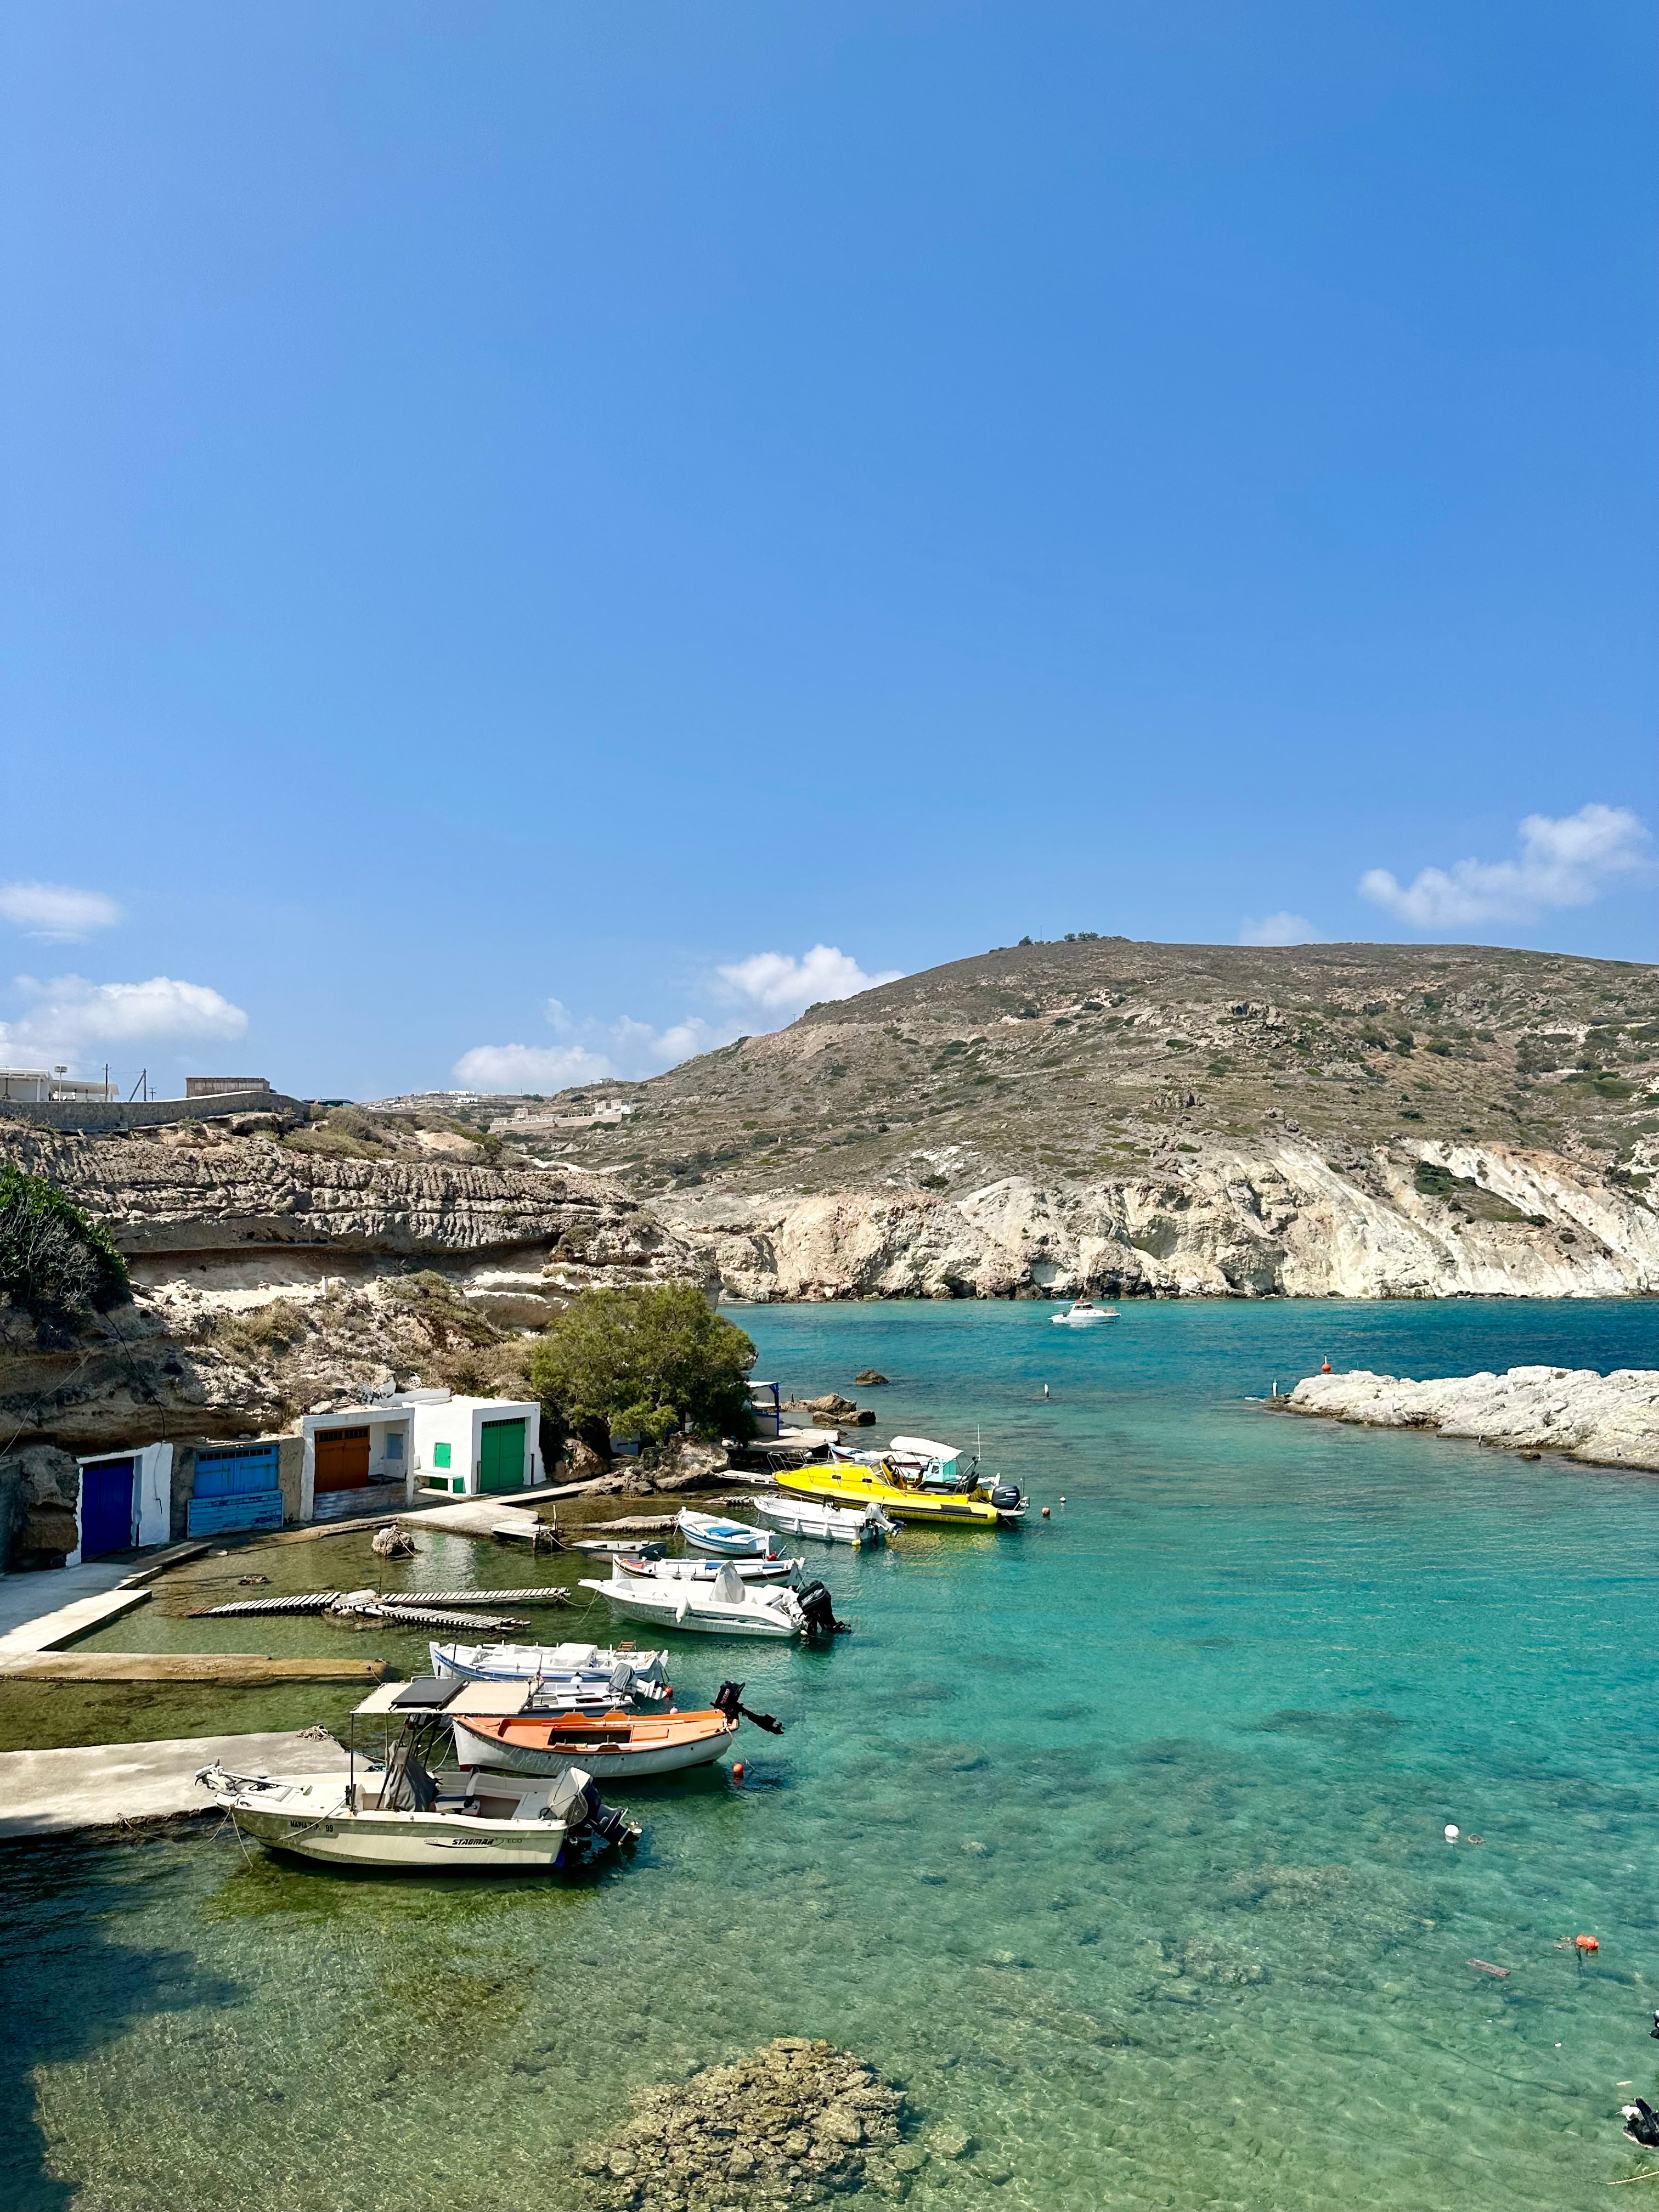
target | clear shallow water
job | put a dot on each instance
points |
(1118, 1840)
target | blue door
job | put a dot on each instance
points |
(236, 1488)
(105, 1508)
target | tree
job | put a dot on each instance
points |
(644, 1361)
(53, 1259)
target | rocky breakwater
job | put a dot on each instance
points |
(1288, 1217)
(796, 2122)
(1612, 1420)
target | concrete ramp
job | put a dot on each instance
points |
(56, 1793)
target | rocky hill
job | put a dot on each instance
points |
(1101, 1114)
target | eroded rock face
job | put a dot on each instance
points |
(796, 2122)
(270, 1282)
(249, 1191)
(1291, 1220)
(1611, 1419)
(38, 1486)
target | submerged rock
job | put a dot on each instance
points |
(793, 2123)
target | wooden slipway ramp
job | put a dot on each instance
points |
(57, 1793)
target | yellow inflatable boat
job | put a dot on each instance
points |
(851, 1484)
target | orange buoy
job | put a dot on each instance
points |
(737, 1769)
(1325, 1368)
(1045, 1512)
(1585, 1943)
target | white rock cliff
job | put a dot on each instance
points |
(1285, 1219)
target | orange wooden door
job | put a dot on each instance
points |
(342, 1459)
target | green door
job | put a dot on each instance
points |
(501, 1456)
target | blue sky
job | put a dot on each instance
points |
(579, 528)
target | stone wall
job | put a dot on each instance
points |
(94, 1118)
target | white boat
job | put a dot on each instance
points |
(580, 1674)
(725, 1607)
(834, 1524)
(704, 1570)
(1082, 1313)
(730, 1540)
(402, 1816)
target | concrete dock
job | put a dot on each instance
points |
(77, 1613)
(232, 1669)
(56, 1793)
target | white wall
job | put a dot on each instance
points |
(381, 1422)
(152, 1493)
(460, 1424)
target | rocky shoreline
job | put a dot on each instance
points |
(1608, 1420)
(1285, 1218)
(796, 2122)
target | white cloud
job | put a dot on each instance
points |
(771, 983)
(531, 1067)
(1281, 928)
(68, 1016)
(1565, 862)
(782, 984)
(57, 912)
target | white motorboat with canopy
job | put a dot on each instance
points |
(725, 1607)
(1084, 1313)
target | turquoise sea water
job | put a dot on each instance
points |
(1118, 1840)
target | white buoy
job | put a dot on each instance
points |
(1451, 1832)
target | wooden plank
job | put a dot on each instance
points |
(242, 1670)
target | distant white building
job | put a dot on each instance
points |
(45, 1086)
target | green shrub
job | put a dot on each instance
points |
(53, 1259)
(644, 1360)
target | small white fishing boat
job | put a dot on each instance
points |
(403, 1816)
(704, 1570)
(1082, 1313)
(730, 1540)
(832, 1524)
(725, 1607)
(580, 1674)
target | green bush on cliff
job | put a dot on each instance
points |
(53, 1259)
(643, 1361)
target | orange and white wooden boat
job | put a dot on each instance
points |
(614, 1744)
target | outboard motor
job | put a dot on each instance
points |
(728, 1700)
(1008, 1498)
(814, 1602)
(602, 1824)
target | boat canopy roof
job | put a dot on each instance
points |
(924, 1448)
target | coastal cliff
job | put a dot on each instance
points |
(240, 1217)
(1612, 1420)
(1289, 1220)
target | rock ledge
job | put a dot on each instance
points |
(1612, 1420)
